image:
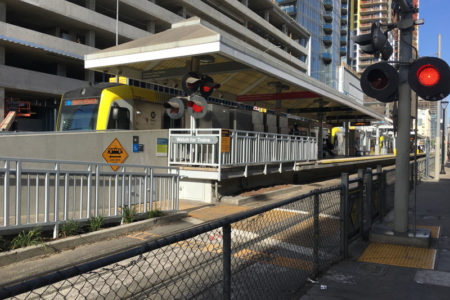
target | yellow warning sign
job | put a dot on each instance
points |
(115, 154)
(225, 143)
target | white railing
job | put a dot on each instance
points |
(47, 192)
(223, 147)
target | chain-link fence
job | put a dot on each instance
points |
(259, 254)
(264, 253)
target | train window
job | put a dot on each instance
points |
(119, 118)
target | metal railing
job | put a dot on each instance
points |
(219, 147)
(42, 192)
(263, 253)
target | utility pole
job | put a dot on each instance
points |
(437, 161)
(401, 199)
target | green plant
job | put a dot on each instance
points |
(154, 214)
(70, 227)
(95, 223)
(25, 239)
(128, 214)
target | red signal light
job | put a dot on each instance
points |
(197, 108)
(429, 78)
(428, 75)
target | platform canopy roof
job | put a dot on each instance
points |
(246, 73)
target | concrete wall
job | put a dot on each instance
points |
(26, 80)
(83, 146)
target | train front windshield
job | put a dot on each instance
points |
(78, 114)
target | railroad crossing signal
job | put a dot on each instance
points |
(197, 106)
(429, 77)
(380, 81)
(174, 108)
(376, 42)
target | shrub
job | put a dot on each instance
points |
(154, 214)
(95, 223)
(25, 239)
(128, 214)
(71, 227)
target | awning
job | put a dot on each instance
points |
(245, 72)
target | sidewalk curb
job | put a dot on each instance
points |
(72, 242)
(238, 200)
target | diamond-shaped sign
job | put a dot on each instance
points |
(115, 154)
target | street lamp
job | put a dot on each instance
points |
(444, 106)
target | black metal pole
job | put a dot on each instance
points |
(226, 262)
(443, 142)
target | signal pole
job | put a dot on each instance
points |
(401, 199)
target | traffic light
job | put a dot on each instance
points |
(197, 106)
(375, 42)
(380, 81)
(174, 108)
(207, 86)
(190, 83)
(429, 77)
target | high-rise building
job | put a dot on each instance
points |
(327, 22)
(43, 43)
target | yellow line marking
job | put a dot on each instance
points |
(398, 255)
(142, 235)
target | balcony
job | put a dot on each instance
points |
(328, 4)
(327, 40)
(344, 30)
(344, 1)
(327, 16)
(344, 9)
(372, 10)
(326, 57)
(343, 41)
(343, 51)
(344, 20)
(327, 28)
(289, 9)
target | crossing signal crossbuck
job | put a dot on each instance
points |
(197, 88)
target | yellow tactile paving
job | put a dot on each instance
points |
(216, 212)
(398, 255)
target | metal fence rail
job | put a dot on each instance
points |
(47, 192)
(219, 147)
(263, 253)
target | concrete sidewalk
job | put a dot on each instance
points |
(377, 271)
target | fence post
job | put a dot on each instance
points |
(367, 204)
(56, 217)
(6, 198)
(316, 235)
(359, 203)
(382, 191)
(344, 215)
(226, 229)
(18, 192)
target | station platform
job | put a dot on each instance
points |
(386, 271)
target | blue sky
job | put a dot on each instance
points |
(436, 14)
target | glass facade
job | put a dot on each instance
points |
(323, 19)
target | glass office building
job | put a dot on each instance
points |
(326, 20)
